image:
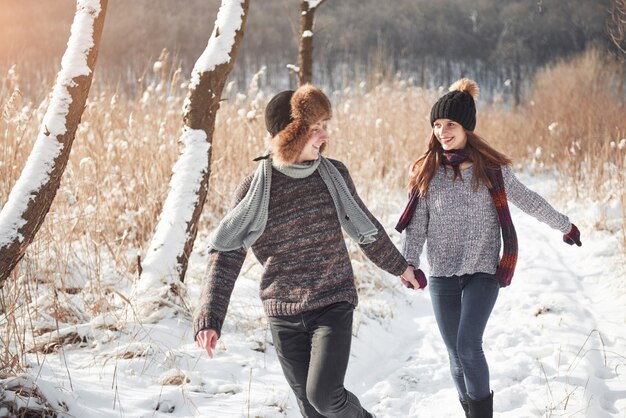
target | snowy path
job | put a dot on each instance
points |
(556, 345)
(542, 342)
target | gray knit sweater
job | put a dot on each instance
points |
(461, 227)
(303, 252)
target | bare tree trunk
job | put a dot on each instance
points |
(305, 50)
(616, 24)
(517, 84)
(33, 193)
(168, 255)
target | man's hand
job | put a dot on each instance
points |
(408, 278)
(419, 278)
(207, 339)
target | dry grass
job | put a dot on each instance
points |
(118, 174)
(573, 124)
(575, 115)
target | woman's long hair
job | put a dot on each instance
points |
(483, 157)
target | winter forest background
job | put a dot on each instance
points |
(90, 327)
(490, 40)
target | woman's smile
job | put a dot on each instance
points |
(450, 134)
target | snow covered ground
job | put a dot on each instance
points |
(556, 342)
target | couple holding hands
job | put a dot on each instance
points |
(291, 213)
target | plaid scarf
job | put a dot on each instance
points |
(506, 267)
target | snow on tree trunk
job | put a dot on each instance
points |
(33, 193)
(305, 49)
(166, 260)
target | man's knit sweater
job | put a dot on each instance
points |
(303, 252)
(461, 227)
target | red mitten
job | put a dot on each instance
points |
(420, 277)
(572, 237)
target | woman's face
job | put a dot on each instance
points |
(450, 134)
(317, 137)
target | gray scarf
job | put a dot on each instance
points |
(245, 223)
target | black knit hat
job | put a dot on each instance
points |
(458, 105)
(278, 112)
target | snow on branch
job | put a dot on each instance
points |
(166, 259)
(218, 50)
(170, 235)
(47, 147)
(313, 3)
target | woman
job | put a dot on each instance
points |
(291, 213)
(458, 205)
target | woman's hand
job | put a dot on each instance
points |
(572, 237)
(207, 339)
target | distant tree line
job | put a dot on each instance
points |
(435, 41)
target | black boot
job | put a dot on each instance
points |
(465, 406)
(482, 408)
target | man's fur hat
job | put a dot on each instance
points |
(288, 117)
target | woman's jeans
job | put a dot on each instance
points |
(313, 348)
(462, 305)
